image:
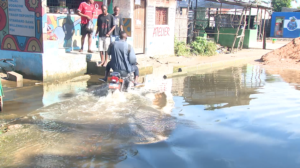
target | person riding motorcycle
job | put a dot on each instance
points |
(123, 58)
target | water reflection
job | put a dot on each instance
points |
(259, 128)
(223, 88)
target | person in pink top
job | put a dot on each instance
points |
(86, 10)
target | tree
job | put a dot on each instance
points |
(278, 4)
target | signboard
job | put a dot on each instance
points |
(21, 20)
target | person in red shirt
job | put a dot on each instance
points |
(86, 10)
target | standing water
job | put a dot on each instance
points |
(239, 117)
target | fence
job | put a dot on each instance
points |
(181, 29)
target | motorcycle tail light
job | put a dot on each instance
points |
(115, 79)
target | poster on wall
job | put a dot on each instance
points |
(21, 25)
(292, 24)
(21, 20)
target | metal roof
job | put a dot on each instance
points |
(227, 4)
(266, 4)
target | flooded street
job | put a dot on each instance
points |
(238, 117)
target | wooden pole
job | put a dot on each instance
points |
(195, 18)
(264, 31)
(257, 17)
(234, 18)
(208, 17)
(237, 30)
(260, 24)
(188, 22)
(249, 19)
(218, 28)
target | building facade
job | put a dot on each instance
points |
(38, 34)
(151, 25)
(285, 25)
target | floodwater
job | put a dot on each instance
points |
(238, 117)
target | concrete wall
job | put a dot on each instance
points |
(288, 30)
(126, 7)
(28, 64)
(65, 30)
(227, 40)
(63, 66)
(160, 38)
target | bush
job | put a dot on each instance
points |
(211, 49)
(203, 47)
(199, 47)
(181, 49)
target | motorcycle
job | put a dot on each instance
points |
(120, 80)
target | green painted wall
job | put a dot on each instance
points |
(227, 40)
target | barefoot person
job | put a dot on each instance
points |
(86, 10)
(106, 26)
(118, 23)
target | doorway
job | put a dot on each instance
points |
(278, 31)
(139, 26)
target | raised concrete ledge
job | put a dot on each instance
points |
(13, 76)
(47, 66)
(64, 66)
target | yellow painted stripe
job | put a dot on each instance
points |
(53, 21)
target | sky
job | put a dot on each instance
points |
(295, 4)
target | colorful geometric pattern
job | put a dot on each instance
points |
(22, 43)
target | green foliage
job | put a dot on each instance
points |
(181, 49)
(211, 49)
(199, 47)
(278, 4)
(203, 47)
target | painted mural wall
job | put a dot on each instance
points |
(285, 24)
(160, 38)
(65, 29)
(21, 25)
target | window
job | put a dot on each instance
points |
(161, 16)
(55, 5)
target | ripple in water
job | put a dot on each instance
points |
(88, 130)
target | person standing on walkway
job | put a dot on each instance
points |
(86, 10)
(106, 26)
(118, 21)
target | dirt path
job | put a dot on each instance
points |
(256, 54)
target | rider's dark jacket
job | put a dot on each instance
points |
(122, 56)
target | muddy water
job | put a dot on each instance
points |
(235, 117)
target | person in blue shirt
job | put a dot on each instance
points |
(123, 58)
